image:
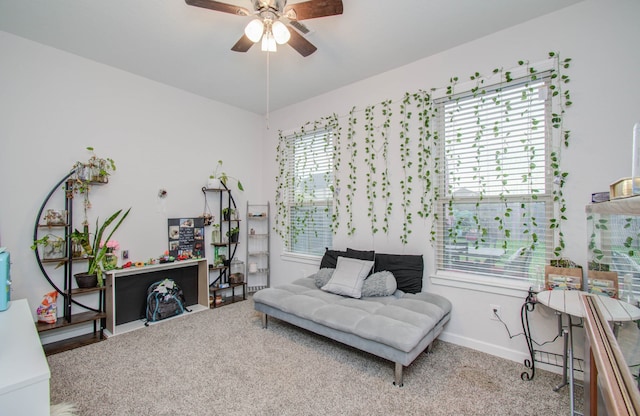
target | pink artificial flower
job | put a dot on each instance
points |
(112, 245)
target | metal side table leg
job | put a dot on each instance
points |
(572, 401)
(565, 335)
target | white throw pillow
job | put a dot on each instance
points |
(348, 277)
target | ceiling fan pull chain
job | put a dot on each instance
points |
(268, 77)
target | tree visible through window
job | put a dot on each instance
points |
(495, 196)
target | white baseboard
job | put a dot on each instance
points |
(498, 351)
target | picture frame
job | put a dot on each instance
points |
(603, 283)
(562, 278)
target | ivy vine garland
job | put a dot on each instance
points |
(414, 144)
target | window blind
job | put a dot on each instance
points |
(310, 199)
(495, 193)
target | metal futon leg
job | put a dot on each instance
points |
(398, 375)
(264, 320)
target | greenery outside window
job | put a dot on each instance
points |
(495, 196)
(309, 171)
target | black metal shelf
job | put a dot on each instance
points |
(225, 201)
(69, 294)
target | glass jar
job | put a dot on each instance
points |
(237, 271)
(215, 236)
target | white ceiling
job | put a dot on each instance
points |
(189, 47)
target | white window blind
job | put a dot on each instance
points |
(310, 199)
(495, 194)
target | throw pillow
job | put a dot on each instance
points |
(407, 269)
(360, 254)
(322, 277)
(379, 284)
(330, 258)
(348, 277)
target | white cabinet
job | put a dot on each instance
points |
(24, 371)
(258, 233)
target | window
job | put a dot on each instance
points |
(309, 199)
(495, 195)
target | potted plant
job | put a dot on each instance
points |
(217, 178)
(53, 247)
(76, 246)
(95, 251)
(233, 234)
(96, 169)
(228, 213)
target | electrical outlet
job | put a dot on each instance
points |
(494, 310)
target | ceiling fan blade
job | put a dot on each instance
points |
(300, 44)
(313, 8)
(243, 44)
(219, 7)
(301, 28)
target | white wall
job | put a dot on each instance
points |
(601, 38)
(55, 104)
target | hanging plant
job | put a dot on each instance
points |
(333, 125)
(385, 180)
(352, 185)
(405, 158)
(284, 185)
(370, 161)
(424, 153)
(559, 80)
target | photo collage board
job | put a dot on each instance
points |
(186, 237)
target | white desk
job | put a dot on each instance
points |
(567, 302)
(24, 371)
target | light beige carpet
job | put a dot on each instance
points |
(222, 362)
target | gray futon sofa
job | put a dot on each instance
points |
(381, 311)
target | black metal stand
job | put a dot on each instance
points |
(528, 306)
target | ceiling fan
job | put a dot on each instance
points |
(275, 21)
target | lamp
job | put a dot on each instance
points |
(271, 32)
(254, 30)
(268, 42)
(280, 32)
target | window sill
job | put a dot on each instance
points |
(301, 258)
(501, 286)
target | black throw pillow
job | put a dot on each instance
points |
(407, 269)
(330, 258)
(368, 255)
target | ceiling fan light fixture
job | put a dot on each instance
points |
(280, 32)
(269, 43)
(254, 30)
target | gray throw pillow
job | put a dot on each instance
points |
(348, 278)
(379, 284)
(322, 277)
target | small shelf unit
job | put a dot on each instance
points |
(258, 241)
